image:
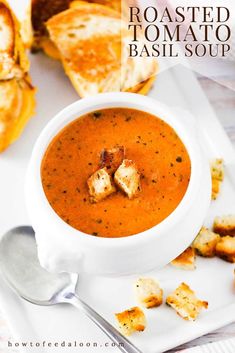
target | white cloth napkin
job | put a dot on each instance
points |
(225, 346)
(221, 70)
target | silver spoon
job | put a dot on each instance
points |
(21, 269)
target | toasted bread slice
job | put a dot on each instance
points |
(13, 60)
(205, 242)
(93, 44)
(225, 225)
(112, 158)
(148, 292)
(100, 185)
(7, 43)
(131, 320)
(113, 4)
(41, 11)
(225, 249)
(17, 105)
(26, 29)
(17, 95)
(127, 178)
(185, 302)
(186, 260)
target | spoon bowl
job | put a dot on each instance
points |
(21, 269)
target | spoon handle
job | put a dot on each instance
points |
(121, 342)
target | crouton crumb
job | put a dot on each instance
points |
(148, 292)
(185, 302)
(131, 320)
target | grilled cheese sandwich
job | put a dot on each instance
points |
(16, 91)
(93, 43)
(42, 10)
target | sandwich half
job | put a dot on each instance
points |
(42, 10)
(13, 60)
(17, 95)
(93, 43)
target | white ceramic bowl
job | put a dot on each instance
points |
(63, 248)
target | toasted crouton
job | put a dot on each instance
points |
(225, 249)
(225, 225)
(217, 169)
(100, 185)
(186, 260)
(131, 320)
(205, 242)
(127, 178)
(112, 158)
(186, 304)
(215, 188)
(217, 175)
(148, 292)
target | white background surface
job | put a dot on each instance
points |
(54, 93)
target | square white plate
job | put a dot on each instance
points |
(212, 281)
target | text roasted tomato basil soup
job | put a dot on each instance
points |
(74, 155)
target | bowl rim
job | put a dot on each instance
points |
(104, 101)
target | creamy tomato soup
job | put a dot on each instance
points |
(74, 155)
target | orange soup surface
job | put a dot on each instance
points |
(74, 155)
